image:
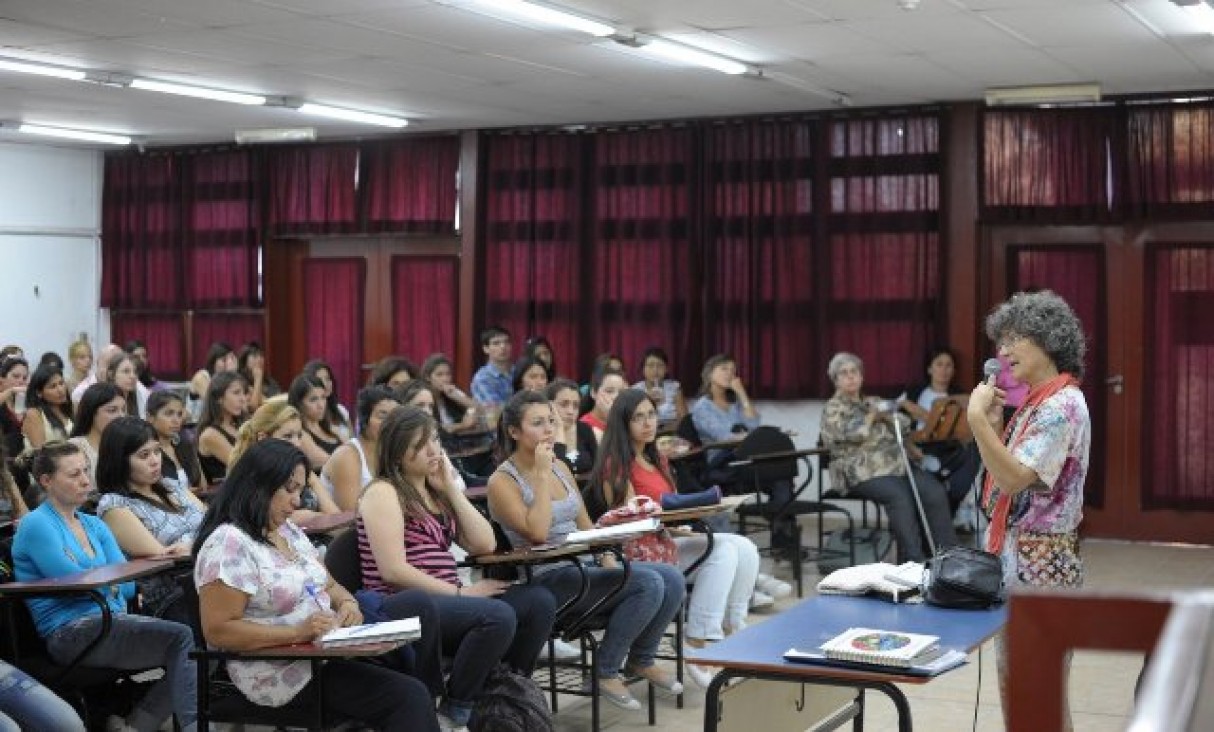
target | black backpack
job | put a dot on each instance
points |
(510, 703)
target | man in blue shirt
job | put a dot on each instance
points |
(491, 384)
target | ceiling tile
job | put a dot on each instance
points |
(921, 32)
(808, 41)
(1009, 67)
(87, 17)
(1064, 24)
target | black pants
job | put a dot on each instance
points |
(373, 695)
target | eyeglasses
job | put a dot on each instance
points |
(643, 417)
(1010, 339)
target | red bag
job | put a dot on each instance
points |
(655, 547)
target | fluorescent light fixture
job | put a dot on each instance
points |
(837, 97)
(678, 53)
(1202, 15)
(352, 115)
(59, 72)
(276, 134)
(70, 134)
(547, 15)
(184, 90)
(1045, 94)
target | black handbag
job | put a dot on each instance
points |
(964, 578)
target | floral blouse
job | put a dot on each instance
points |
(1057, 438)
(278, 590)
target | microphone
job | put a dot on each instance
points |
(991, 369)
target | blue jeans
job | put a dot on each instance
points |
(138, 642)
(638, 615)
(24, 703)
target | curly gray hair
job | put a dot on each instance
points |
(1046, 320)
(841, 359)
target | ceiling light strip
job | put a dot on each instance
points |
(218, 95)
(678, 53)
(72, 134)
(59, 72)
(352, 115)
(548, 15)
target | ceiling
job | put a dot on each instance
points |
(446, 67)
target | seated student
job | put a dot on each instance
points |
(179, 466)
(602, 363)
(419, 394)
(605, 385)
(628, 465)
(108, 353)
(529, 374)
(261, 584)
(80, 358)
(27, 704)
(666, 393)
(456, 410)
(355, 464)
(337, 418)
(147, 517)
(533, 496)
(224, 409)
(220, 359)
(14, 380)
(538, 347)
(251, 364)
(393, 372)
(865, 460)
(57, 539)
(279, 420)
(48, 408)
(123, 373)
(491, 383)
(100, 405)
(138, 351)
(408, 518)
(571, 432)
(307, 396)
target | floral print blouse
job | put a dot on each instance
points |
(1056, 440)
(278, 590)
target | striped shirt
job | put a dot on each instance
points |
(427, 545)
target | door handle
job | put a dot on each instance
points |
(1116, 381)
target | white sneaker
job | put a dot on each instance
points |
(778, 589)
(561, 650)
(761, 599)
(701, 675)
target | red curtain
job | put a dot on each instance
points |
(141, 254)
(533, 270)
(1050, 166)
(1170, 161)
(1077, 274)
(410, 185)
(758, 256)
(1178, 465)
(881, 271)
(642, 243)
(333, 318)
(221, 234)
(425, 305)
(313, 189)
(235, 329)
(164, 336)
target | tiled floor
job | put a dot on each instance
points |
(1101, 683)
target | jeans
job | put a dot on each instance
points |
(724, 583)
(893, 492)
(478, 632)
(638, 615)
(376, 696)
(138, 642)
(25, 703)
(424, 656)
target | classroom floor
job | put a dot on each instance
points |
(1101, 683)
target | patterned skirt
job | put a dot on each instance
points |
(1042, 560)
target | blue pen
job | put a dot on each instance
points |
(311, 590)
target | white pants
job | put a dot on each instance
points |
(724, 583)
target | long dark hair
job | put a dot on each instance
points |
(455, 410)
(533, 344)
(405, 393)
(269, 387)
(512, 416)
(387, 367)
(522, 366)
(187, 454)
(217, 351)
(55, 416)
(613, 461)
(298, 392)
(368, 397)
(332, 413)
(111, 371)
(212, 409)
(244, 499)
(121, 439)
(93, 398)
(404, 428)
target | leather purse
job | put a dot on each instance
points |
(963, 578)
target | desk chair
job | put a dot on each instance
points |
(343, 562)
(870, 544)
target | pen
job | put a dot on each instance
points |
(311, 590)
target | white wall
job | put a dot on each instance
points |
(50, 253)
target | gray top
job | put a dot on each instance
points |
(564, 511)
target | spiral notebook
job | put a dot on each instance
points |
(882, 647)
(391, 630)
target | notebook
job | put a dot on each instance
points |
(882, 647)
(877, 580)
(391, 630)
(632, 527)
(935, 666)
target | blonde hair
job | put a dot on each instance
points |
(268, 419)
(73, 349)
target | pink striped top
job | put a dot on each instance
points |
(427, 546)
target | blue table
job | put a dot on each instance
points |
(758, 651)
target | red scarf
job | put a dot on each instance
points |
(997, 531)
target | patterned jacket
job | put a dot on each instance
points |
(858, 451)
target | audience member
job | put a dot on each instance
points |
(307, 396)
(12, 504)
(666, 393)
(143, 365)
(355, 464)
(224, 408)
(179, 468)
(866, 461)
(534, 497)
(251, 364)
(27, 704)
(14, 381)
(529, 374)
(279, 420)
(50, 358)
(56, 539)
(605, 385)
(573, 436)
(540, 349)
(408, 520)
(48, 408)
(80, 357)
(99, 405)
(123, 373)
(337, 418)
(261, 584)
(456, 410)
(393, 372)
(100, 366)
(491, 385)
(220, 359)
